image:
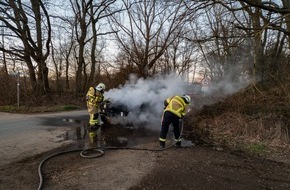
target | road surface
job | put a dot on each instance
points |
(23, 135)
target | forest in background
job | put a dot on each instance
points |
(59, 49)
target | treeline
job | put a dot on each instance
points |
(66, 46)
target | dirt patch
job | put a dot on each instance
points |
(205, 168)
(116, 169)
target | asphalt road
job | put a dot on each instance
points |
(23, 135)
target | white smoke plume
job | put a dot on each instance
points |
(218, 90)
(144, 98)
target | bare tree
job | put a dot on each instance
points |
(265, 18)
(178, 57)
(80, 10)
(28, 22)
(278, 19)
(98, 12)
(88, 16)
(4, 53)
(62, 44)
(147, 28)
(66, 50)
(229, 44)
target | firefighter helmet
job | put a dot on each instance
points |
(187, 98)
(100, 87)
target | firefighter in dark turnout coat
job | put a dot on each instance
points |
(174, 110)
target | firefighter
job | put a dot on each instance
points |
(94, 98)
(174, 109)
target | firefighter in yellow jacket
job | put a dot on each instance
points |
(94, 98)
(174, 110)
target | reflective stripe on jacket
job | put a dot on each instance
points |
(176, 105)
(94, 98)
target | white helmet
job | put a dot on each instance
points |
(187, 98)
(101, 87)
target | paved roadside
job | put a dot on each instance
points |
(24, 135)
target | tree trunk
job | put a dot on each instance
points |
(93, 50)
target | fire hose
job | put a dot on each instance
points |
(100, 151)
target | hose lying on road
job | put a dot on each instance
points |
(84, 153)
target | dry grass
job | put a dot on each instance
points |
(257, 115)
(51, 103)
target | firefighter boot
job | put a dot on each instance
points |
(178, 144)
(162, 144)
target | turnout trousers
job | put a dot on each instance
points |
(95, 130)
(169, 118)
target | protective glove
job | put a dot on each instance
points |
(107, 100)
(165, 103)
